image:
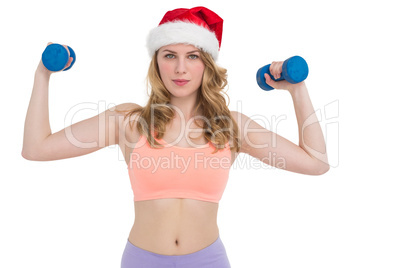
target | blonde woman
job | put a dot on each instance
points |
(180, 146)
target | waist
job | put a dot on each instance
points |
(174, 226)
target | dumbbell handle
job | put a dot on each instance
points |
(294, 70)
(55, 57)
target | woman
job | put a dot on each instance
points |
(180, 146)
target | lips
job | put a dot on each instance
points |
(180, 82)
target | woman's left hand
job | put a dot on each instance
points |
(276, 70)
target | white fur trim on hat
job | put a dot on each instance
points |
(180, 32)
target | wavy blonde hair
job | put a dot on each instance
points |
(218, 124)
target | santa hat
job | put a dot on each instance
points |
(197, 26)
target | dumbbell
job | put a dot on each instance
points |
(294, 70)
(55, 57)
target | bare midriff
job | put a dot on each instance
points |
(174, 226)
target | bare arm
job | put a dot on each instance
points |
(84, 137)
(37, 126)
(311, 138)
(309, 156)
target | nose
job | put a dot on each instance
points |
(181, 67)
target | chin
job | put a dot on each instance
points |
(182, 93)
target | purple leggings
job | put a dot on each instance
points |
(213, 256)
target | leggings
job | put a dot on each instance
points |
(213, 256)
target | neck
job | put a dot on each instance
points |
(184, 107)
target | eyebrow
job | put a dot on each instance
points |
(167, 50)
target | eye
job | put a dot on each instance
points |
(169, 56)
(193, 57)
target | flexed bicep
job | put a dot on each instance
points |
(273, 149)
(78, 139)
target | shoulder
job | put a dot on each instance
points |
(241, 120)
(126, 121)
(238, 115)
(127, 106)
(122, 113)
(123, 109)
(249, 130)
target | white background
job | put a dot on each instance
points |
(78, 212)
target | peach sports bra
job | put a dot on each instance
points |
(178, 172)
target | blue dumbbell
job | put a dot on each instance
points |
(55, 57)
(294, 70)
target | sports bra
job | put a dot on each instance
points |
(178, 172)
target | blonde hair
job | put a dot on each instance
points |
(219, 126)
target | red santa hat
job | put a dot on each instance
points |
(197, 26)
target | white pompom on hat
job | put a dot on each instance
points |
(197, 26)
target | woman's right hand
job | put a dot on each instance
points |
(43, 70)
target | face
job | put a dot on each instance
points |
(181, 69)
